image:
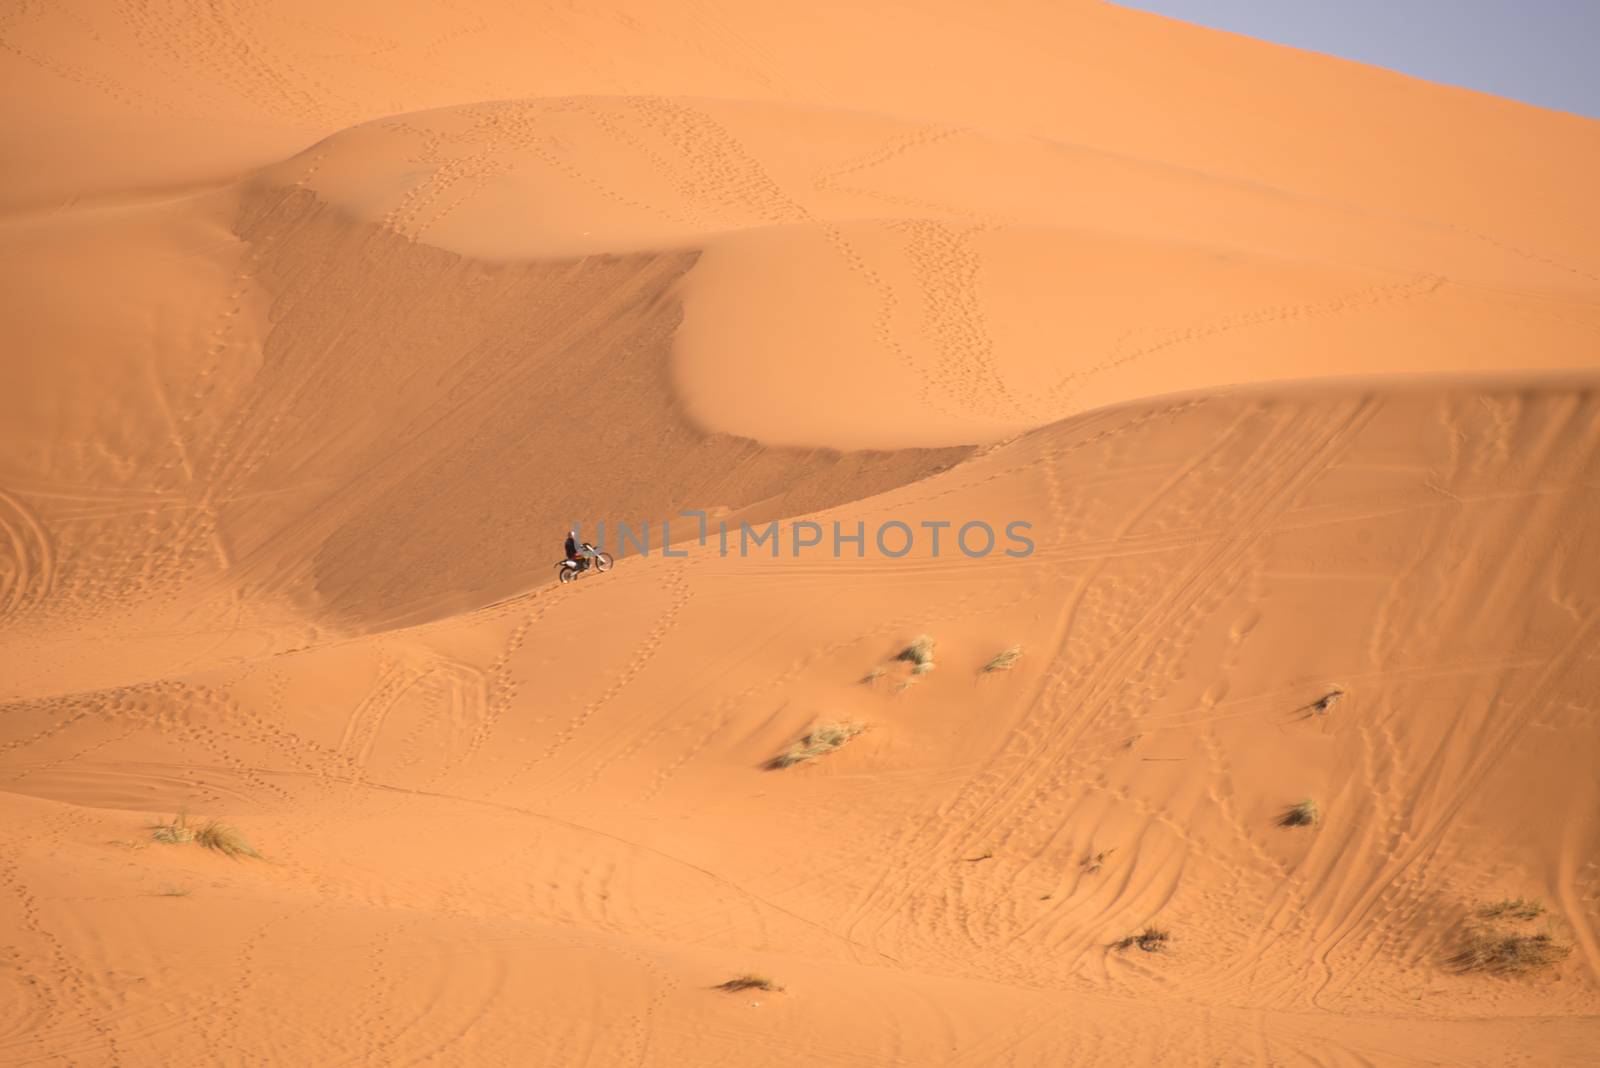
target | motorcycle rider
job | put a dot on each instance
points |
(577, 555)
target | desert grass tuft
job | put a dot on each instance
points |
(1152, 940)
(873, 676)
(1004, 660)
(225, 840)
(1093, 861)
(175, 833)
(748, 982)
(1512, 909)
(819, 741)
(173, 891)
(919, 652)
(1304, 814)
(1486, 948)
(1491, 943)
(1321, 705)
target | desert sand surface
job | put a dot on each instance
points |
(324, 322)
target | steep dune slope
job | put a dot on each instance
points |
(378, 429)
(441, 455)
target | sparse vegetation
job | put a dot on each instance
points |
(173, 891)
(1093, 861)
(1304, 814)
(819, 741)
(1152, 940)
(1004, 660)
(225, 840)
(175, 833)
(1492, 943)
(1325, 702)
(1487, 948)
(920, 653)
(748, 982)
(1512, 909)
(213, 835)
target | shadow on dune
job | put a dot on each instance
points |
(424, 427)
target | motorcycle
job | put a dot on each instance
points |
(567, 570)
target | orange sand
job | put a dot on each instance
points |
(325, 321)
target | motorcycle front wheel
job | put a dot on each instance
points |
(602, 561)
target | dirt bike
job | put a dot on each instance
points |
(567, 570)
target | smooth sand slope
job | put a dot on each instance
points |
(324, 325)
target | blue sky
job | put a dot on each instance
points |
(1544, 52)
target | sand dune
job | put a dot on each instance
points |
(327, 323)
(990, 280)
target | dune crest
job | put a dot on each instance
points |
(989, 283)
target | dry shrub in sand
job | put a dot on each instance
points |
(1304, 814)
(225, 840)
(821, 740)
(1152, 940)
(174, 833)
(920, 654)
(1492, 943)
(213, 835)
(1321, 705)
(748, 982)
(1093, 861)
(1513, 909)
(1493, 949)
(1004, 660)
